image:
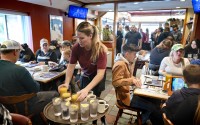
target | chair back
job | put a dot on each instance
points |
(18, 119)
(12, 101)
(166, 120)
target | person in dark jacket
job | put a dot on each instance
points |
(188, 112)
(158, 53)
(119, 40)
(191, 76)
(27, 54)
(191, 49)
(56, 48)
(164, 35)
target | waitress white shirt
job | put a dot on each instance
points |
(168, 66)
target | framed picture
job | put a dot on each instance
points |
(56, 27)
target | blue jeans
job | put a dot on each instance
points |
(150, 109)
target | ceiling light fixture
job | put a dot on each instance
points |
(182, 0)
(178, 7)
(135, 3)
(109, 10)
(98, 5)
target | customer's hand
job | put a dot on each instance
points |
(32, 62)
(82, 94)
(137, 82)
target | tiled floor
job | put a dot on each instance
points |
(109, 95)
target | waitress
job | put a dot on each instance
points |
(92, 57)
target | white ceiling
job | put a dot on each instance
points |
(128, 6)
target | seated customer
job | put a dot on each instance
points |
(45, 54)
(158, 53)
(65, 45)
(191, 76)
(188, 113)
(64, 59)
(191, 49)
(55, 47)
(122, 79)
(175, 63)
(27, 54)
(16, 80)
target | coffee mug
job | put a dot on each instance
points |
(102, 106)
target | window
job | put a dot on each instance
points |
(15, 27)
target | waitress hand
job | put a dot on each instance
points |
(82, 94)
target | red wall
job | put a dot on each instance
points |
(40, 21)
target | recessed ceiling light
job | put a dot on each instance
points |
(135, 3)
(178, 7)
(98, 5)
(182, 0)
(109, 10)
(141, 9)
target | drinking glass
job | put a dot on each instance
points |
(84, 111)
(91, 97)
(57, 106)
(65, 110)
(93, 107)
(73, 111)
(189, 55)
(195, 56)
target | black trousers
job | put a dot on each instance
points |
(85, 80)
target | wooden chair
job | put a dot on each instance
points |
(166, 120)
(11, 103)
(121, 111)
(18, 119)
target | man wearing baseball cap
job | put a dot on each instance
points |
(16, 80)
(44, 54)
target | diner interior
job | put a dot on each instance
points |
(30, 21)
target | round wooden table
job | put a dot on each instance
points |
(49, 114)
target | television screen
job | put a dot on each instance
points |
(177, 83)
(77, 12)
(196, 6)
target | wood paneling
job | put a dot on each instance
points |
(40, 21)
(197, 26)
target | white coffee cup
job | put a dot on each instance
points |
(44, 68)
(102, 106)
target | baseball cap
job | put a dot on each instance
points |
(176, 47)
(10, 45)
(43, 41)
